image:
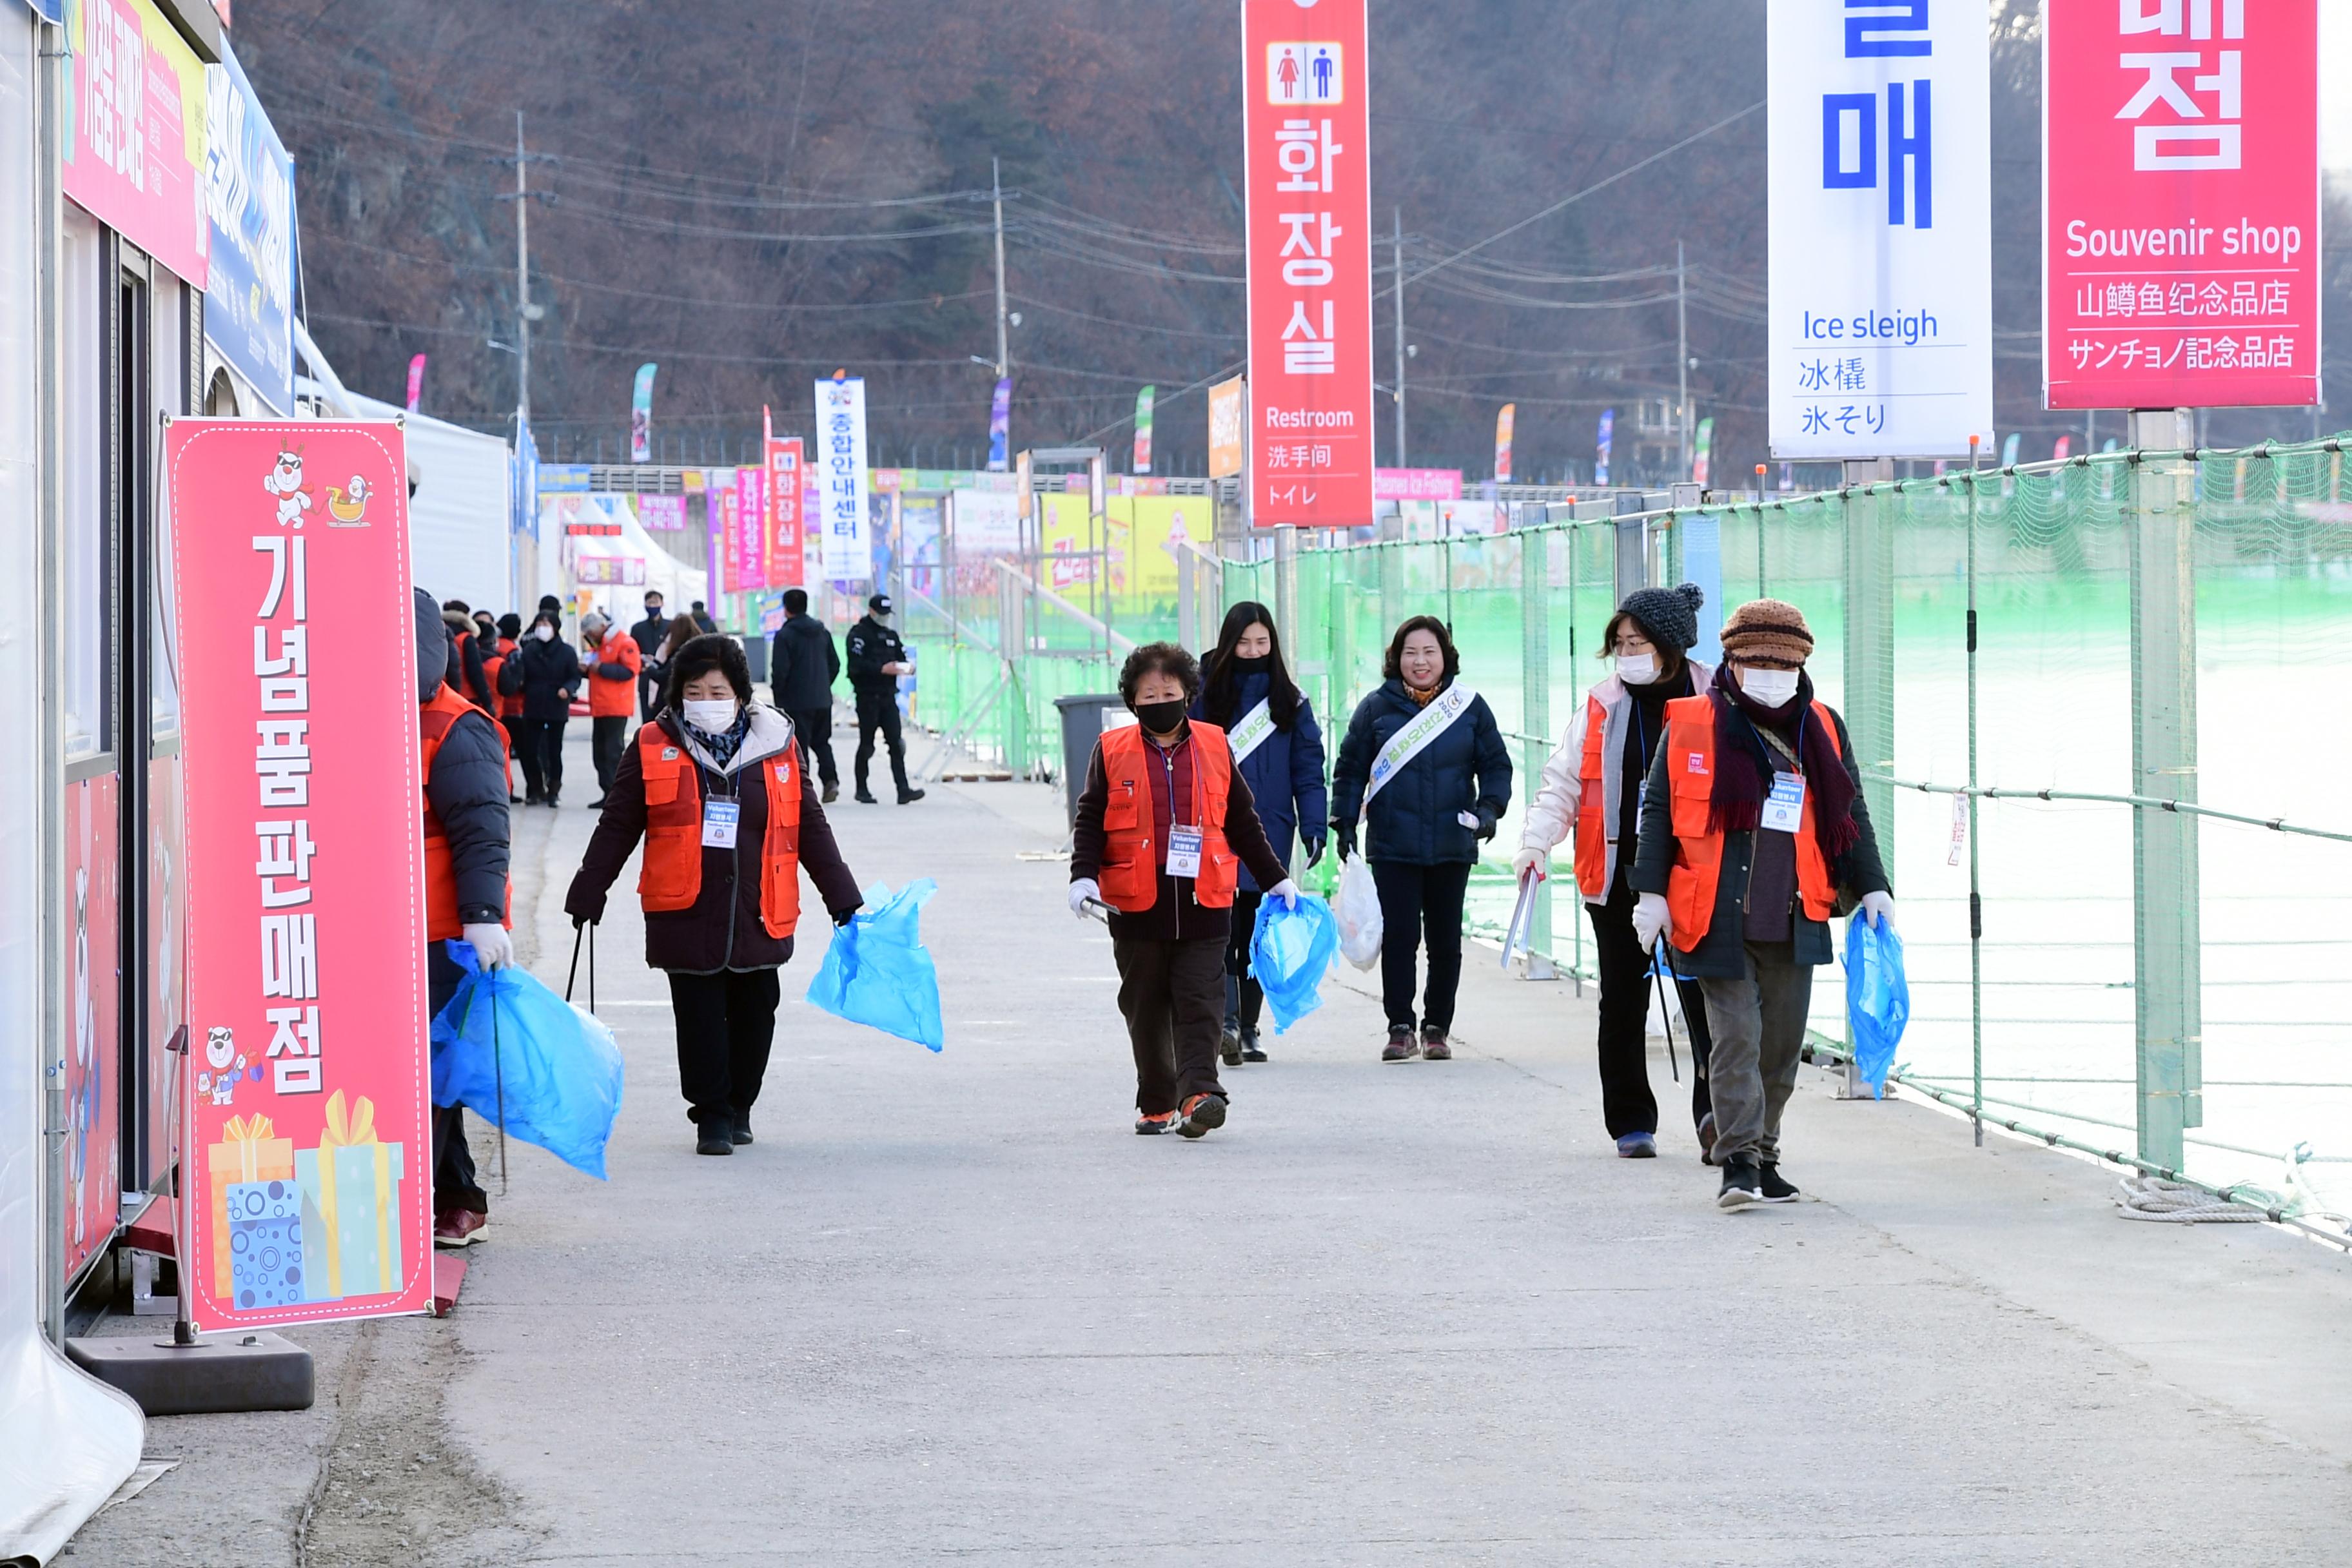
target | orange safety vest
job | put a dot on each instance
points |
(613, 698)
(1698, 854)
(671, 879)
(433, 720)
(509, 707)
(1591, 832)
(1132, 860)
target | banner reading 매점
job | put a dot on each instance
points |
(308, 1145)
(1880, 244)
(2180, 204)
(1307, 141)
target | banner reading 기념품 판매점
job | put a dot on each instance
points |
(844, 550)
(1307, 143)
(1881, 250)
(305, 1195)
(2180, 204)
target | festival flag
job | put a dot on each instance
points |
(2009, 451)
(415, 382)
(1000, 425)
(1143, 428)
(1703, 451)
(1504, 422)
(1608, 428)
(641, 417)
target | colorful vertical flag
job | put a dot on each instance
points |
(1608, 429)
(2065, 445)
(1703, 451)
(1504, 423)
(1143, 428)
(1000, 425)
(641, 417)
(415, 382)
(2009, 451)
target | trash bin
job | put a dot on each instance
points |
(1083, 718)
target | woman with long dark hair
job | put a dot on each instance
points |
(1426, 770)
(1246, 691)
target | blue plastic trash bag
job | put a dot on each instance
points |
(1289, 952)
(878, 973)
(504, 1037)
(1877, 998)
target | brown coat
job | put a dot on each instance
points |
(722, 930)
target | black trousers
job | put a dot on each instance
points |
(455, 1184)
(1173, 996)
(814, 727)
(541, 750)
(524, 741)
(725, 1023)
(879, 710)
(607, 736)
(1244, 998)
(1626, 1103)
(1421, 904)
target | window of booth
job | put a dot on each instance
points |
(169, 377)
(86, 618)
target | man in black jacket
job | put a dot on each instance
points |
(876, 660)
(802, 665)
(649, 635)
(466, 790)
(544, 672)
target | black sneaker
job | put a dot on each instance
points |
(1152, 1123)
(832, 794)
(1774, 1189)
(597, 805)
(739, 1131)
(1229, 1048)
(865, 797)
(1204, 1114)
(909, 796)
(1401, 1045)
(712, 1138)
(1251, 1051)
(1742, 1183)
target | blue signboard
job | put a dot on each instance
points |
(249, 191)
(561, 478)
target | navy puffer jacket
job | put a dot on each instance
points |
(1285, 774)
(1413, 819)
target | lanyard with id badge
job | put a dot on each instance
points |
(1784, 807)
(719, 821)
(1183, 839)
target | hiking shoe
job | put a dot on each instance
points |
(909, 796)
(1433, 1046)
(1204, 1114)
(713, 1138)
(1742, 1183)
(1706, 1139)
(1250, 1049)
(1153, 1123)
(597, 805)
(865, 797)
(739, 1131)
(459, 1227)
(1774, 1189)
(1637, 1146)
(1229, 1048)
(832, 794)
(1401, 1047)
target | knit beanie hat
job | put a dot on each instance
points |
(1768, 632)
(1669, 615)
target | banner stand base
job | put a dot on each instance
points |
(216, 1374)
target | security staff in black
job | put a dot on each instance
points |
(876, 660)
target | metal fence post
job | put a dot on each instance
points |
(1285, 578)
(1535, 626)
(1869, 636)
(2166, 943)
(1392, 575)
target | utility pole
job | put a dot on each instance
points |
(996, 189)
(1681, 361)
(1400, 337)
(523, 281)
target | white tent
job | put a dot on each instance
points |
(616, 569)
(459, 544)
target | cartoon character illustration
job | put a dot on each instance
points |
(284, 481)
(349, 505)
(220, 1046)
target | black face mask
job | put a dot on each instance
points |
(1257, 665)
(1160, 717)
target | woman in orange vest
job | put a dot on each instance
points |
(1752, 822)
(1593, 786)
(610, 662)
(498, 635)
(715, 787)
(1164, 825)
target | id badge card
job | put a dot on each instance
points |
(1784, 808)
(719, 820)
(1183, 851)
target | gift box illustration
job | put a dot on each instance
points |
(265, 1245)
(249, 1152)
(350, 1186)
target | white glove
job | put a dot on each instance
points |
(1651, 921)
(1526, 860)
(1285, 892)
(1880, 908)
(492, 947)
(1082, 891)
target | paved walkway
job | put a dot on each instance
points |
(949, 1309)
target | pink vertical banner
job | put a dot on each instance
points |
(752, 527)
(308, 1147)
(415, 382)
(725, 513)
(135, 142)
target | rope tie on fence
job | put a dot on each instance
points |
(2178, 1203)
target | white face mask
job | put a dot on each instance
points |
(543, 632)
(1637, 668)
(712, 716)
(1772, 687)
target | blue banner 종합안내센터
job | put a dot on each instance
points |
(250, 197)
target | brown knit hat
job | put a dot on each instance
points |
(1768, 632)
